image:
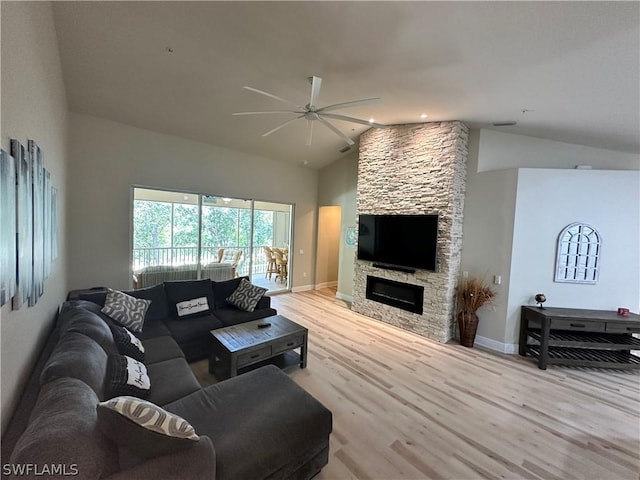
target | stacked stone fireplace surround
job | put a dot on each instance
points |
(416, 169)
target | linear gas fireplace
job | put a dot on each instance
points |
(397, 294)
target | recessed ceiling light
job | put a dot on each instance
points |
(372, 120)
(424, 115)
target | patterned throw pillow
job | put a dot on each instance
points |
(128, 344)
(126, 376)
(246, 296)
(125, 309)
(143, 427)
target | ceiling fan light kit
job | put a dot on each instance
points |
(312, 113)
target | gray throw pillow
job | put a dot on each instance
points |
(246, 296)
(144, 428)
(125, 309)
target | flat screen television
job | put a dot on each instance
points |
(399, 240)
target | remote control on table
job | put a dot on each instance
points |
(264, 325)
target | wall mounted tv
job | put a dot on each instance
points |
(408, 241)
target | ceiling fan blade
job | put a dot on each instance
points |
(309, 132)
(316, 83)
(354, 103)
(282, 125)
(336, 131)
(270, 95)
(353, 120)
(259, 113)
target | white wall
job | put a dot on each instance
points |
(33, 107)
(549, 200)
(489, 211)
(513, 217)
(107, 158)
(505, 150)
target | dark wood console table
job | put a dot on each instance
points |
(574, 336)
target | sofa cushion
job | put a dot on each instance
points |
(127, 343)
(189, 290)
(246, 296)
(222, 290)
(170, 380)
(193, 328)
(144, 428)
(77, 356)
(125, 309)
(285, 428)
(70, 437)
(153, 329)
(74, 318)
(159, 349)
(232, 316)
(126, 376)
(96, 297)
(159, 308)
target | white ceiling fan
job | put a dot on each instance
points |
(312, 112)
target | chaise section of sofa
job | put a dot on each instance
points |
(262, 424)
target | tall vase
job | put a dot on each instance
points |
(468, 325)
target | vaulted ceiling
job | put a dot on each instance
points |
(566, 71)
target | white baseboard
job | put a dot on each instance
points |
(302, 288)
(345, 297)
(491, 344)
(326, 285)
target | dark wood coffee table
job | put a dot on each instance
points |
(246, 344)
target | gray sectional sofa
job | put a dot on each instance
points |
(258, 425)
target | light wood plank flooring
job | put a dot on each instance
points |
(405, 407)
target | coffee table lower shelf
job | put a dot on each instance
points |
(285, 360)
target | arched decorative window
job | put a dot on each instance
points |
(579, 247)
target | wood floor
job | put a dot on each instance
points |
(405, 407)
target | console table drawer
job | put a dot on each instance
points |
(255, 356)
(622, 328)
(288, 344)
(577, 325)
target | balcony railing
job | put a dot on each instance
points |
(176, 256)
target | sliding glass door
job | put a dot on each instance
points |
(180, 235)
(272, 231)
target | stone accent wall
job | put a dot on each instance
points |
(416, 169)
